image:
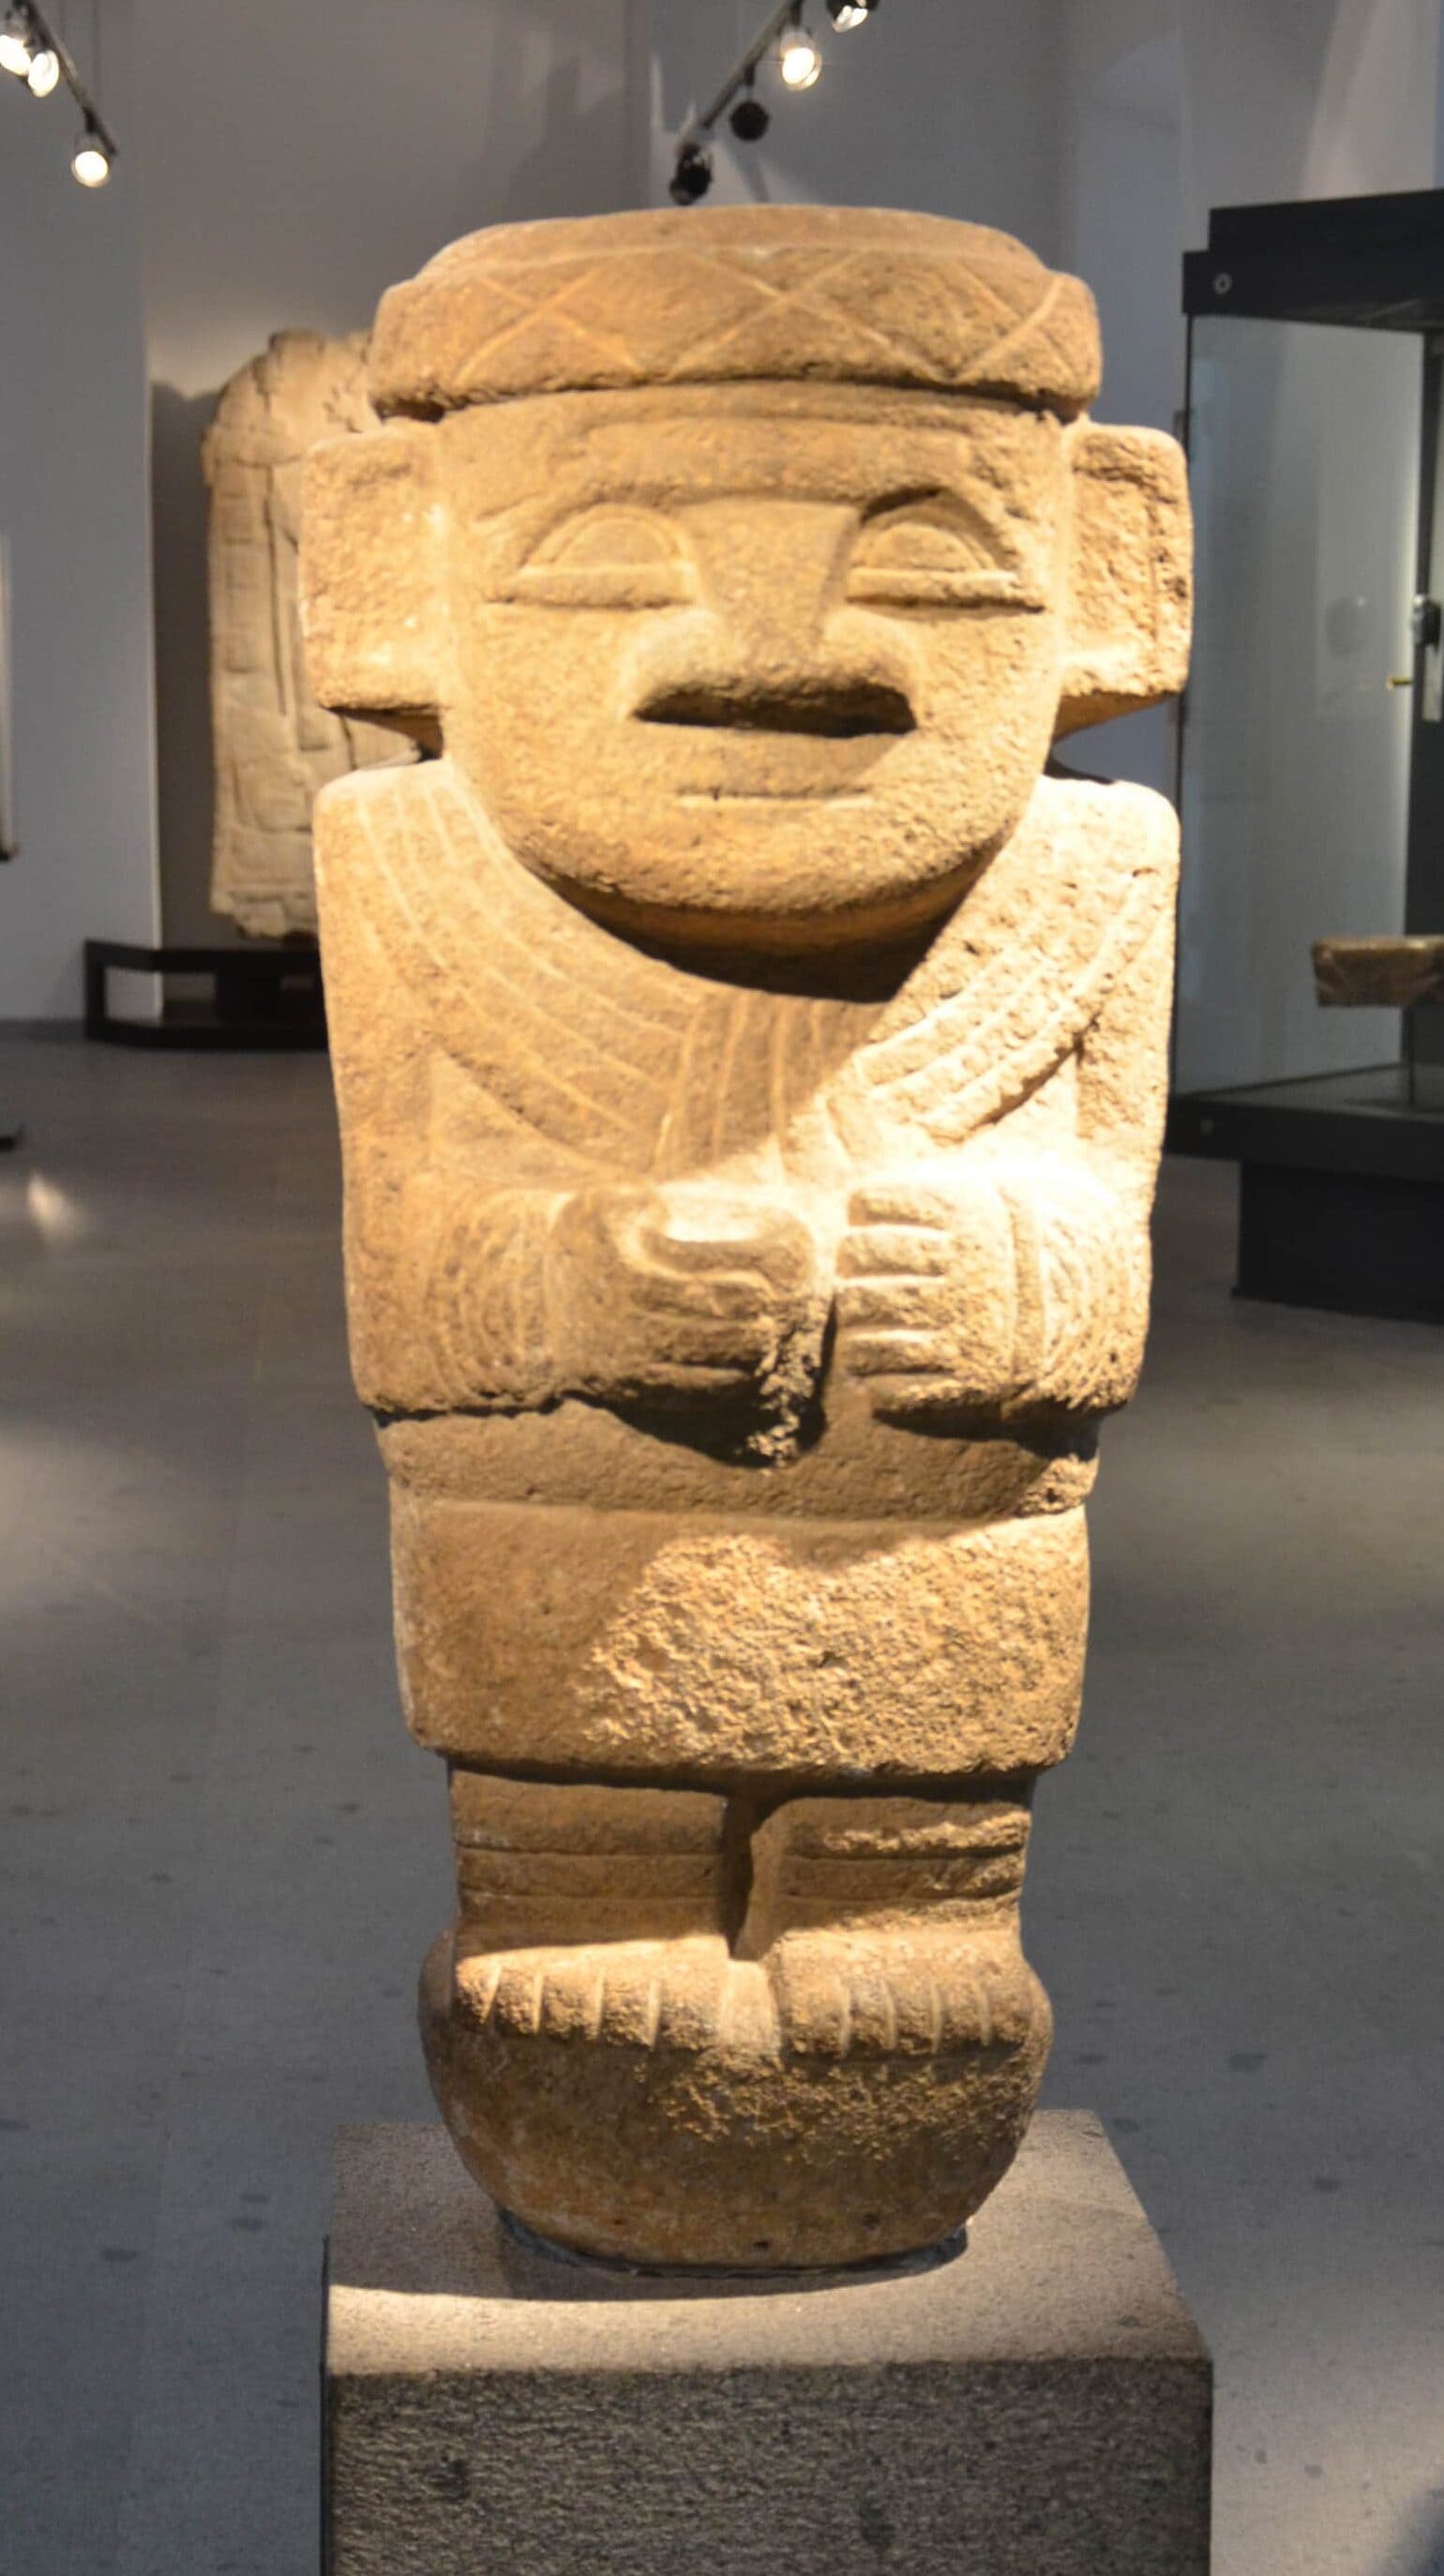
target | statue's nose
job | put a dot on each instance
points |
(770, 570)
(765, 650)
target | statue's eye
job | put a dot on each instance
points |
(929, 555)
(607, 558)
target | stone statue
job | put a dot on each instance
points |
(751, 1071)
(274, 746)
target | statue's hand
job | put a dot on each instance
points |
(683, 1291)
(926, 1296)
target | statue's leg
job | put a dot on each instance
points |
(588, 1911)
(666, 2030)
(889, 1926)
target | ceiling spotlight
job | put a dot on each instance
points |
(44, 72)
(692, 176)
(847, 14)
(801, 62)
(749, 119)
(16, 45)
(90, 161)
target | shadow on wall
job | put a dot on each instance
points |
(557, 174)
(578, 161)
(184, 769)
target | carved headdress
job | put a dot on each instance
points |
(836, 294)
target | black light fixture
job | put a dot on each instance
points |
(799, 63)
(749, 119)
(692, 176)
(30, 50)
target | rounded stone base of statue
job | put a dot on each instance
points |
(707, 2135)
(616, 2267)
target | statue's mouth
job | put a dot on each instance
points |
(860, 711)
(730, 739)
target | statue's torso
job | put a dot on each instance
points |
(661, 1600)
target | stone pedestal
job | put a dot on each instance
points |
(1038, 2406)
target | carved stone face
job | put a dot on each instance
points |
(772, 663)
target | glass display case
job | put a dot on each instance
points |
(1311, 769)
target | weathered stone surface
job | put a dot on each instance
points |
(1038, 2406)
(1394, 974)
(840, 294)
(274, 745)
(751, 1068)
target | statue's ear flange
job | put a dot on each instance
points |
(1129, 580)
(370, 588)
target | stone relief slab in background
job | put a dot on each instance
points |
(274, 745)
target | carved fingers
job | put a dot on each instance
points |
(654, 1289)
(926, 1295)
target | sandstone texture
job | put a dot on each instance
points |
(274, 744)
(750, 1050)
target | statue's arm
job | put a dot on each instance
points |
(1092, 1209)
(472, 1284)
(487, 1272)
(510, 1298)
(1016, 1278)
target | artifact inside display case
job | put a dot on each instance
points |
(274, 745)
(1402, 974)
(1312, 750)
(1372, 974)
(750, 1056)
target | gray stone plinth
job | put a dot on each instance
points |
(1037, 2407)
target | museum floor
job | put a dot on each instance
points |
(223, 1858)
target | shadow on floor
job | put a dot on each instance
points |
(1422, 2552)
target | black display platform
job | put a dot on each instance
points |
(1341, 1187)
(260, 997)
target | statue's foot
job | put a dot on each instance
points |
(832, 2060)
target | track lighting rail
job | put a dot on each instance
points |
(799, 63)
(34, 51)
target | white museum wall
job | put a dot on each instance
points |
(950, 106)
(297, 159)
(74, 519)
(1174, 106)
(1306, 98)
(1122, 226)
(282, 163)
(294, 199)
(1171, 107)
